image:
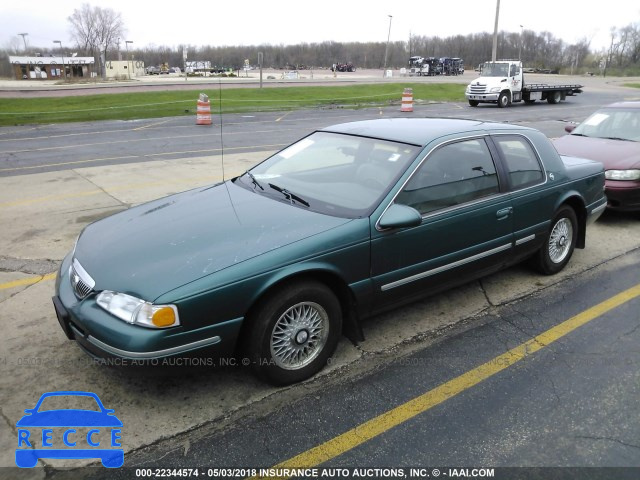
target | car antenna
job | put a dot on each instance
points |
(220, 117)
(222, 150)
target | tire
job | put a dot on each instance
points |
(554, 98)
(474, 103)
(504, 100)
(559, 242)
(293, 332)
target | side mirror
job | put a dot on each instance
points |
(570, 128)
(399, 216)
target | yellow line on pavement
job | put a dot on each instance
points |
(392, 418)
(27, 281)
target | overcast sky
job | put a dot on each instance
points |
(251, 22)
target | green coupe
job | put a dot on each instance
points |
(275, 265)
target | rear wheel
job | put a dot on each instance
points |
(554, 97)
(504, 100)
(293, 332)
(473, 103)
(559, 242)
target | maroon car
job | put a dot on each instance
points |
(611, 136)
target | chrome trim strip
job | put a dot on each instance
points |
(82, 273)
(598, 209)
(443, 268)
(525, 239)
(160, 353)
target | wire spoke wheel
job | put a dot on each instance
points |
(560, 240)
(299, 335)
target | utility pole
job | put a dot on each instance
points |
(126, 43)
(494, 50)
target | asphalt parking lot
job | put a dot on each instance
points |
(42, 210)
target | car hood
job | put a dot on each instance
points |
(614, 154)
(156, 247)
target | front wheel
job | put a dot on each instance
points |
(473, 103)
(559, 242)
(293, 332)
(504, 100)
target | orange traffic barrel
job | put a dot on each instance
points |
(203, 110)
(407, 100)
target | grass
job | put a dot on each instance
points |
(129, 106)
(632, 85)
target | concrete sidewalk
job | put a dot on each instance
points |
(41, 216)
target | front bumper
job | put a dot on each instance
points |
(485, 97)
(622, 195)
(102, 335)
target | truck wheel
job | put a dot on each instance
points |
(473, 103)
(504, 100)
(554, 97)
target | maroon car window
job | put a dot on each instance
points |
(453, 174)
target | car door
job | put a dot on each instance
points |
(466, 228)
(533, 206)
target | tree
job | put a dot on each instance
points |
(95, 30)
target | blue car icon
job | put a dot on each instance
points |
(69, 433)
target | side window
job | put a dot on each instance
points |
(522, 162)
(453, 174)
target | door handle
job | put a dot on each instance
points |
(504, 213)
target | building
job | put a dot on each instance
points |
(124, 69)
(52, 68)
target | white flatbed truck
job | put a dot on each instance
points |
(502, 82)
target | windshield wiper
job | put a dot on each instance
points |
(292, 197)
(253, 180)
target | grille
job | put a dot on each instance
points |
(478, 88)
(81, 281)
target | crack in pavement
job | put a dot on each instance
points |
(30, 266)
(120, 202)
(609, 439)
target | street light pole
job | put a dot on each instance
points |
(23, 35)
(386, 50)
(520, 49)
(64, 70)
(127, 42)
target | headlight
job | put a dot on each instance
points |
(622, 174)
(495, 89)
(136, 311)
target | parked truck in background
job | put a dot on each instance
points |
(502, 82)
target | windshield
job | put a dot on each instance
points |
(490, 69)
(618, 123)
(336, 174)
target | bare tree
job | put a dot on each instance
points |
(96, 30)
